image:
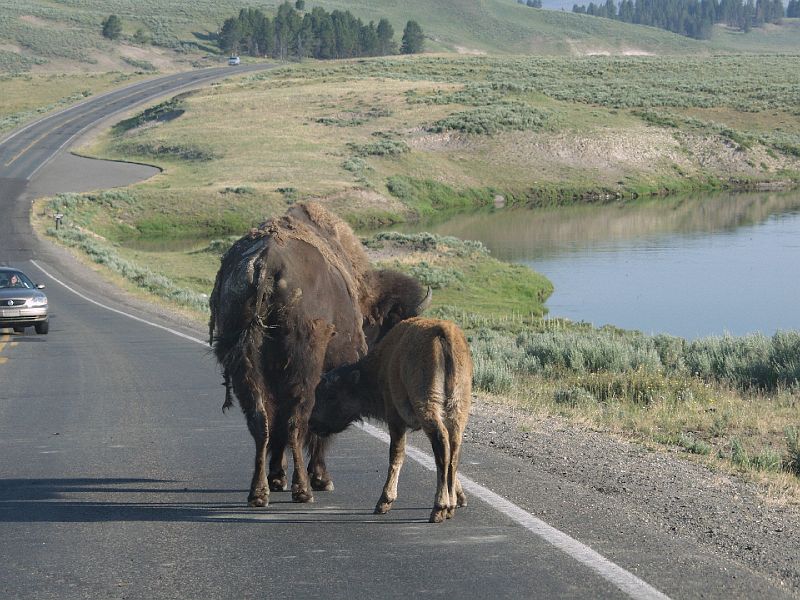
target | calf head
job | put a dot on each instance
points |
(338, 401)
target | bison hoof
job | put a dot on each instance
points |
(438, 515)
(258, 501)
(382, 508)
(278, 484)
(320, 484)
(461, 501)
(302, 496)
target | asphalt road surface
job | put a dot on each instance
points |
(121, 478)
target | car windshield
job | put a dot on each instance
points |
(10, 279)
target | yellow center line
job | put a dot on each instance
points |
(38, 139)
(2, 346)
(67, 122)
(3, 360)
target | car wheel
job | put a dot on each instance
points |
(19, 329)
(42, 328)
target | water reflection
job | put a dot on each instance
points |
(685, 266)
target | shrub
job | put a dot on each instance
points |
(573, 396)
(492, 119)
(239, 190)
(426, 242)
(792, 461)
(156, 149)
(742, 361)
(385, 147)
(693, 445)
(435, 277)
(170, 109)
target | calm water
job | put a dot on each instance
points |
(689, 267)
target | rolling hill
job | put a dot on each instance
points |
(63, 36)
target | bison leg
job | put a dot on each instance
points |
(301, 488)
(257, 424)
(277, 470)
(277, 457)
(320, 479)
(397, 453)
(440, 444)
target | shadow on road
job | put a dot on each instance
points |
(58, 501)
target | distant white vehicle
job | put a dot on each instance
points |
(234, 60)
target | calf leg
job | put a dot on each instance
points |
(440, 444)
(457, 496)
(397, 453)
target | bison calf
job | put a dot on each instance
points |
(418, 376)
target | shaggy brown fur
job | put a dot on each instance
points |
(419, 375)
(280, 294)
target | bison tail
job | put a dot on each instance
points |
(241, 364)
(228, 395)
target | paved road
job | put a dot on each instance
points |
(121, 478)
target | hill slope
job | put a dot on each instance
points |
(39, 34)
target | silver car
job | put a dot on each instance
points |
(22, 302)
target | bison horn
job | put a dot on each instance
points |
(426, 302)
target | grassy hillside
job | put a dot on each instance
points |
(44, 35)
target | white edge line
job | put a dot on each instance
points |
(624, 580)
(611, 572)
(119, 312)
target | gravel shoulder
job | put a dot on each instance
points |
(606, 478)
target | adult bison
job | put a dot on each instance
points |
(293, 298)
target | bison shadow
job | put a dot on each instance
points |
(53, 501)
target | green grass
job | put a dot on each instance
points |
(464, 275)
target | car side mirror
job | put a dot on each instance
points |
(40, 286)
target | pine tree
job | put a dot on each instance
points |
(230, 36)
(386, 43)
(413, 39)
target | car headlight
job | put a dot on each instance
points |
(37, 301)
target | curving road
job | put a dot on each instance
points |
(121, 478)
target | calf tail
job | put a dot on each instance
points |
(450, 379)
(457, 371)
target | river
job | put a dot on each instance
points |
(688, 266)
